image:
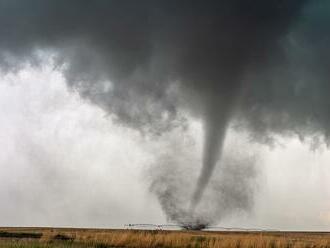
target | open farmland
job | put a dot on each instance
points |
(69, 237)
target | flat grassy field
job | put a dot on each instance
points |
(103, 238)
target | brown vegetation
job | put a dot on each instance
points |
(147, 239)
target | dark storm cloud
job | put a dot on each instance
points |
(264, 63)
(291, 95)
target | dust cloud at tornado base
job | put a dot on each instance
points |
(231, 191)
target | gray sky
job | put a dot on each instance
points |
(117, 112)
(64, 162)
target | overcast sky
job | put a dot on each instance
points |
(155, 111)
(64, 162)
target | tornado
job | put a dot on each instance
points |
(215, 127)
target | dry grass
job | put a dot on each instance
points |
(179, 239)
